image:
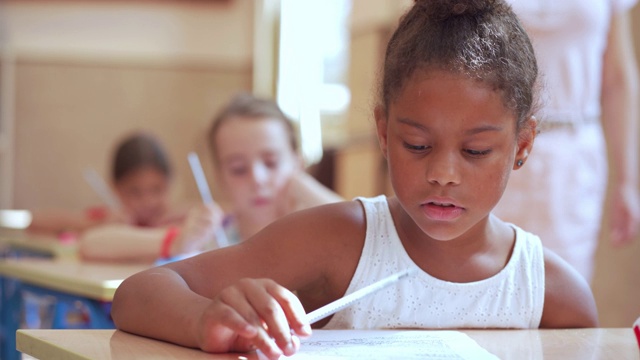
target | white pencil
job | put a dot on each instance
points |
(355, 296)
(101, 188)
(205, 193)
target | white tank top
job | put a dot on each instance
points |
(513, 298)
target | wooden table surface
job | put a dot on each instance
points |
(97, 281)
(38, 243)
(580, 344)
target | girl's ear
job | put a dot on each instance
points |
(381, 128)
(526, 136)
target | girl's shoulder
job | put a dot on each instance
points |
(325, 238)
(315, 250)
(568, 300)
(335, 221)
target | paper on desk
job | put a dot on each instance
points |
(390, 344)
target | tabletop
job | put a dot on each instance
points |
(97, 281)
(42, 244)
(598, 343)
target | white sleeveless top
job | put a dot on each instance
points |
(513, 298)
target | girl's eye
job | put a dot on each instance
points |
(477, 153)
(415, 148)
(238, 170)
(271, 164)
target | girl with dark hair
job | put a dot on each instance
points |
(140, 179)
(144, 221)
(454, 118)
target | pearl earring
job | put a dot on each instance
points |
(520, 163)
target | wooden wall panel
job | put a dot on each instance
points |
(69, 116)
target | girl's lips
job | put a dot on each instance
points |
(261, 201)
(442, 211)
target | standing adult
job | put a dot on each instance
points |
(588, 114)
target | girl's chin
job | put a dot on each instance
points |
(264, 215)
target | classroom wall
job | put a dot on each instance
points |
(371, 24)
(86, 73)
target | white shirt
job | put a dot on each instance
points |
(513, 298)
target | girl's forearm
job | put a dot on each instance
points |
(154, 303)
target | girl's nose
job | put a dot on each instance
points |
(150, 200)
(259, 174)
(443, 168)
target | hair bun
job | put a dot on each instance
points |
(444, 9)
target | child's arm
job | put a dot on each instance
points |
(121, 243)
(60, 220)
(218, 301)
(231, 321)
(568, 301)
(125, 243)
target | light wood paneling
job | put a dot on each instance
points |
(69, 116)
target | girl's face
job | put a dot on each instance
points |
(450, 144)
(256, 163)
(144, 194)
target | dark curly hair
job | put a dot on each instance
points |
(482, 39)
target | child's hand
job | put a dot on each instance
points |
(254, 314)
(198, 229)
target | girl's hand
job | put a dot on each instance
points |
(198, 229)
(625, 214)
(253, 314)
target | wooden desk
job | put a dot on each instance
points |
(20, 242)
(69, 282)
(91, 280)
(506, 344)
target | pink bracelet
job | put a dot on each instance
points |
(167, 241)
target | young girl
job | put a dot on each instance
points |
(141, 176)
(454, 118)
(256, 155)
